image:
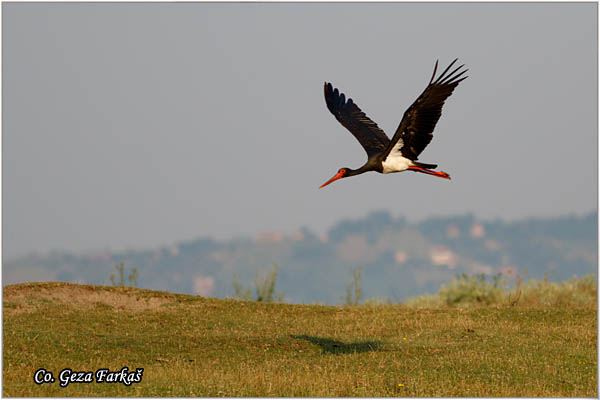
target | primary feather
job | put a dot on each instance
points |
(416, 128)
(369, 135)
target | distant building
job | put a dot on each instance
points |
(452, 231)
(477, 231)
(203, 285)
(354, 248)
(173, 250)
(400, 257)
(441, 255)
(269, 237)
(297, 236)
(510, 270)
(493, 245)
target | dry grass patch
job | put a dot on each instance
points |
(28, 297)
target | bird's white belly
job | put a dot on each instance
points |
(395, 164)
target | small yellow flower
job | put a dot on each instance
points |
(403, 338)
(401, 385)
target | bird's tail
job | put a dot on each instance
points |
(423, 165)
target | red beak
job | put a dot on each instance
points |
(337, 176)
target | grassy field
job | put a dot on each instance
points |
(194, 346)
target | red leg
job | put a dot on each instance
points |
(440, 174)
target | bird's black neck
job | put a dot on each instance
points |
(372, 164)
(365, 168)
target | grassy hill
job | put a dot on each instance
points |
(195, 346)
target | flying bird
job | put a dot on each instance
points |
(412, 136)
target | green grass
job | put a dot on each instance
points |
(194, 346)
(476, 290)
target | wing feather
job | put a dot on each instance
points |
(416, 128)
(368, 134)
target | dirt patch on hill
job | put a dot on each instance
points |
(28, 297)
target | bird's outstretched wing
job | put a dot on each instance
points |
(370, 136)
(416, 128)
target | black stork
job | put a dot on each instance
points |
(412, 136)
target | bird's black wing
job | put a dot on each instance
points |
(416, 128)
(370, 136)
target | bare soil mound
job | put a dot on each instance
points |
(25, 297)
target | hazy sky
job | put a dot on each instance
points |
(133, 125)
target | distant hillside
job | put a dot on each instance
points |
(399, 259)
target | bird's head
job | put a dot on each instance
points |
(342, 173)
